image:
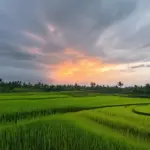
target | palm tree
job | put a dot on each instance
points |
(93, 84)
(120, 84)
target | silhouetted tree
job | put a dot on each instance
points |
(93, 84)
(120, 84)
(22, 86)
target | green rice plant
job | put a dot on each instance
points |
(125, 113)
(58, 134)
(74, 121)
(120, 125)
(15, 117)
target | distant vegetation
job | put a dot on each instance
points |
(19, 86)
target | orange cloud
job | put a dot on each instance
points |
(83, 70)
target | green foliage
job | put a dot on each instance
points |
(19, 86)
(73, 121)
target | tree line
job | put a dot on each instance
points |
(14, 86)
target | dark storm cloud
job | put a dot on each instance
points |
(83, 21)
(128, 40)
(116, 31)
(13, 73)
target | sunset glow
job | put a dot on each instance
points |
(82, 70)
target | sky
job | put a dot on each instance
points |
(78, 41)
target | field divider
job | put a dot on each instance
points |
(15, 116)
(140, 113)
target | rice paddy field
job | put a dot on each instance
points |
(73, 121)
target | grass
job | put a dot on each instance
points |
(73, 121)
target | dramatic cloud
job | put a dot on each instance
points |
(63, 41)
